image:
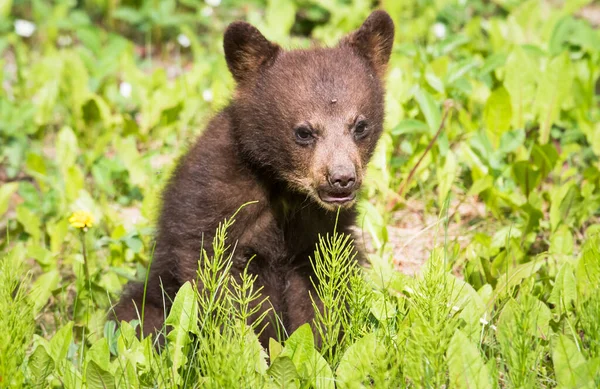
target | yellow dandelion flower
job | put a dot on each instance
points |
(82, 219)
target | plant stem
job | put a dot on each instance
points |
(448, 104)
(85, 261)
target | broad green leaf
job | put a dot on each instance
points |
(360, 361)
(520, 80)
(60, 343)
(561, 241)
(275, 349)
(280, 16)
(382, 307)
(72, 377)
(563, 200)
(284, 373)
(299, 346)
(570, 366)
(511, 140)
(554, 86)
(98, 378)
(5, 6)
(99, 354)
(6, 191)
(42, 289)
(564, 293)
(184, 320)
(310, 365)
(497, 115)
(465, 364)
(430, 110)
(41, 365)
(256, 352)
(515, 275)
(588, 268)
(544, 157)
(410, 126)
(526, 176)
(67, 149)
(30, 221)
(128, 152)
(528, 315)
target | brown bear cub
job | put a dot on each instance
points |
(296, 138)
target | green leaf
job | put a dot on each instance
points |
(41, 365)
(563, 200)
(570, 366)
(284, 373)
(256, 352)
(430, 110)
(511, 140)
(66, 149)
(497, 115)
(60, 343)
(520, 80)
(42, 288)
(359, 363)
(554, 87)
(526, 176)
(98, 378)
(561, 241)
(280, 16)
(299, 346)
(99, 353)
(6, 191)
(410, 126)
(528, 315)
(564, 293)
(310, 365)
(466, 367)
(184, 320)
(274, 349)
(30, 221)
(515, 275)
(588, 268)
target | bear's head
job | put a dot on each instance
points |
(311, 118)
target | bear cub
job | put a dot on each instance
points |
(295, 139)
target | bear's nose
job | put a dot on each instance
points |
(342, 177)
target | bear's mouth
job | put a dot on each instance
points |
(337, 197)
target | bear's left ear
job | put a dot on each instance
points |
(373, 40)
(246, 50)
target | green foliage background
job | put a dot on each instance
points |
(97, 104)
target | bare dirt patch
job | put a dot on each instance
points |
(415, 232)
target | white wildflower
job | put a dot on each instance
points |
(207, 11)
(183, 40)
(125, 89)
(24, 28)
(484, 320)
(439, 30)
(207, 95)
(213, 3)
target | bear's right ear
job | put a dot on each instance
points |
(246, 50)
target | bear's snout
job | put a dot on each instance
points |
(342, 177)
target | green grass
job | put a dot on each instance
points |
(99, 102)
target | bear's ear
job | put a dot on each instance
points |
(246, 50)
(373, 40)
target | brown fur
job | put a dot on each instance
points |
(251, 151)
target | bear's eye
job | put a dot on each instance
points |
(304, 134)
(360, 128)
